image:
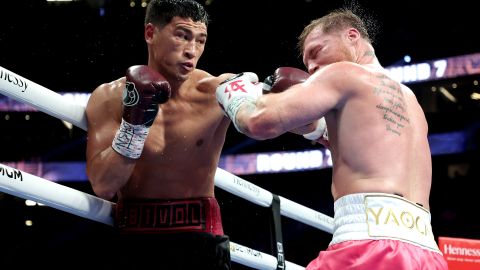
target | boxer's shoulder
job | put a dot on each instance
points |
(110, 88)
(209, 83)
(108, 94)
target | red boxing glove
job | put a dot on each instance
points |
(283, 78)
(144, 90)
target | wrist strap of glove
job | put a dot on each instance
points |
(319, 131)
(130, 139)
(235, 103)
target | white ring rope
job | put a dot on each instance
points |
(24, 185)
(31, 187)
(255, 194)
(88, 206)
(41, 98)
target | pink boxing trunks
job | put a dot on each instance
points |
(168, 216)
(380, 231)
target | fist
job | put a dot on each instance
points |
(144, 89)
(283, 78)
(235, 91)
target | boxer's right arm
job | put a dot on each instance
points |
(107, 171)
(284, 78)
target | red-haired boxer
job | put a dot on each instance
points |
(156, 153)
(378, 138)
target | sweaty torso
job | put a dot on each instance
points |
(378, 139)
(183, 146)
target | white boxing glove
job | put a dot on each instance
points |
(237, 90)
(320, 131)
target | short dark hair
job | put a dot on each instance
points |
(161, 12)
(337, 20)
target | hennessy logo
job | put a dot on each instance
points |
(130, 94)
(246, 185)
(463, 251)
(15, 80)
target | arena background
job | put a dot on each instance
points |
(75, 46)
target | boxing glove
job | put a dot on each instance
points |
(283, 78)
(320, 133)
(237, 90)
(144, 89)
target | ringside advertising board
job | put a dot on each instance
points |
(460, 253)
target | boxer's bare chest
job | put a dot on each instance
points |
(183, 130)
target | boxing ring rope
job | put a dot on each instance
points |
(255, 194)
(28, 186)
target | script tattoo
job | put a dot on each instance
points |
(393, 106)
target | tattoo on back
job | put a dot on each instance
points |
(393, 106)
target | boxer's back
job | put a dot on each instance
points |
(380, 140)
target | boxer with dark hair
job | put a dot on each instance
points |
(377, 133)
(154, 142)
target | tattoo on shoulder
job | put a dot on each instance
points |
(392, 105)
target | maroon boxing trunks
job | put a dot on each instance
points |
(168, 216)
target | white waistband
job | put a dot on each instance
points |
(364, 216)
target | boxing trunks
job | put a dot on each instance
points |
(171, 234)
(154, 216)
(380, 231)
